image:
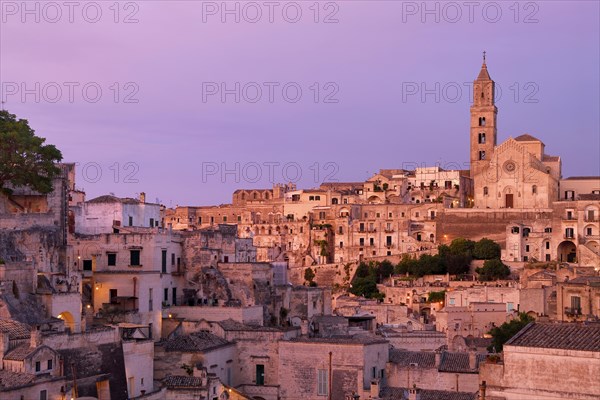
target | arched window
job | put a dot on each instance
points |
(334, 200)
(485, 190)
(254, 195)
(481, 121)
(481, 138)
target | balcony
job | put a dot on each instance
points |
(572, 311)
(569, 237)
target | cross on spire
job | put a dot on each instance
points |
(484, 56)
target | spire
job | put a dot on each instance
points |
(483, 74)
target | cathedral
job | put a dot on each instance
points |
(515, 174)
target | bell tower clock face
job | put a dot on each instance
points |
(510, 167)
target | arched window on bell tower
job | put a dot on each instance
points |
(481, 138)
(481, 121)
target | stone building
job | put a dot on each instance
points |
(564, 357)
(439, 370)
(578, 299)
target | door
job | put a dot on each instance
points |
(509, 200)
(174, 296)
(260, 374)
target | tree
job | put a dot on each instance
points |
(486, 249)
(462, 246)
(503, 333)
(24, 158)
(436, 297)
(309, 275)
(493, 270)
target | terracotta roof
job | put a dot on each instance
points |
(478, 342)
(589, 196)
(527, 138)
(584, 280)
(9, 379)
(181, 381)
(459, 362)
(550, 158)
(402, 394)
(567, 336)
(195, 342)
(449, 362)
(19, 353)
(404, 358)
(577, 178)
(483, 74)
(15, 329)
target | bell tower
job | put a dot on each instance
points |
(483, 121)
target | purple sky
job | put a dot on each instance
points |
(377, 52)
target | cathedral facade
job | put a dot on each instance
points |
(515, 174)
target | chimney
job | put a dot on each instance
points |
(143, 197)
(36, 337)
(472, 359)
(414, 393)
(375, 389)
(438, 358)
(482, 388)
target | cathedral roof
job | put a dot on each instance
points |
(527, 138)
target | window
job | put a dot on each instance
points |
(130, 221)
(515, 229)
(371, 242)
(260, 374)
(451, 301)
(321, 214)
(199, 220)
(44, 395)
(547, 245)
(588, 231)
(164, 261)
(510, 306)
(134, 258)
(239, 218)
(361, 227)
(151, 222)
(174, 290)
(481, 138)
(87, 265)
(322, 383)
(49, 364)
(534, 189)
(334, 201)
(317, 197)
(377, 215)
(224, 218)
(548, 230)
(38, 366)
(482, 154)
(341, 245)
(526, 232)
(527, 248)
(340, 229)
(361, 241)
(447, 184)
(388, 240)
(482, 120)
(569, 214)
(112, 259)
(576, 303)
(150, 302)
(485, 191)
(311, 198)
(569, 233)
(374, 373)
(166, 295)
(569, 194)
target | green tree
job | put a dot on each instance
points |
(309, 275)
(436, 297)
(493, 270)
(385, 269)
(24, 158)
(503, 333)
(462, 246)
(486, 249)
